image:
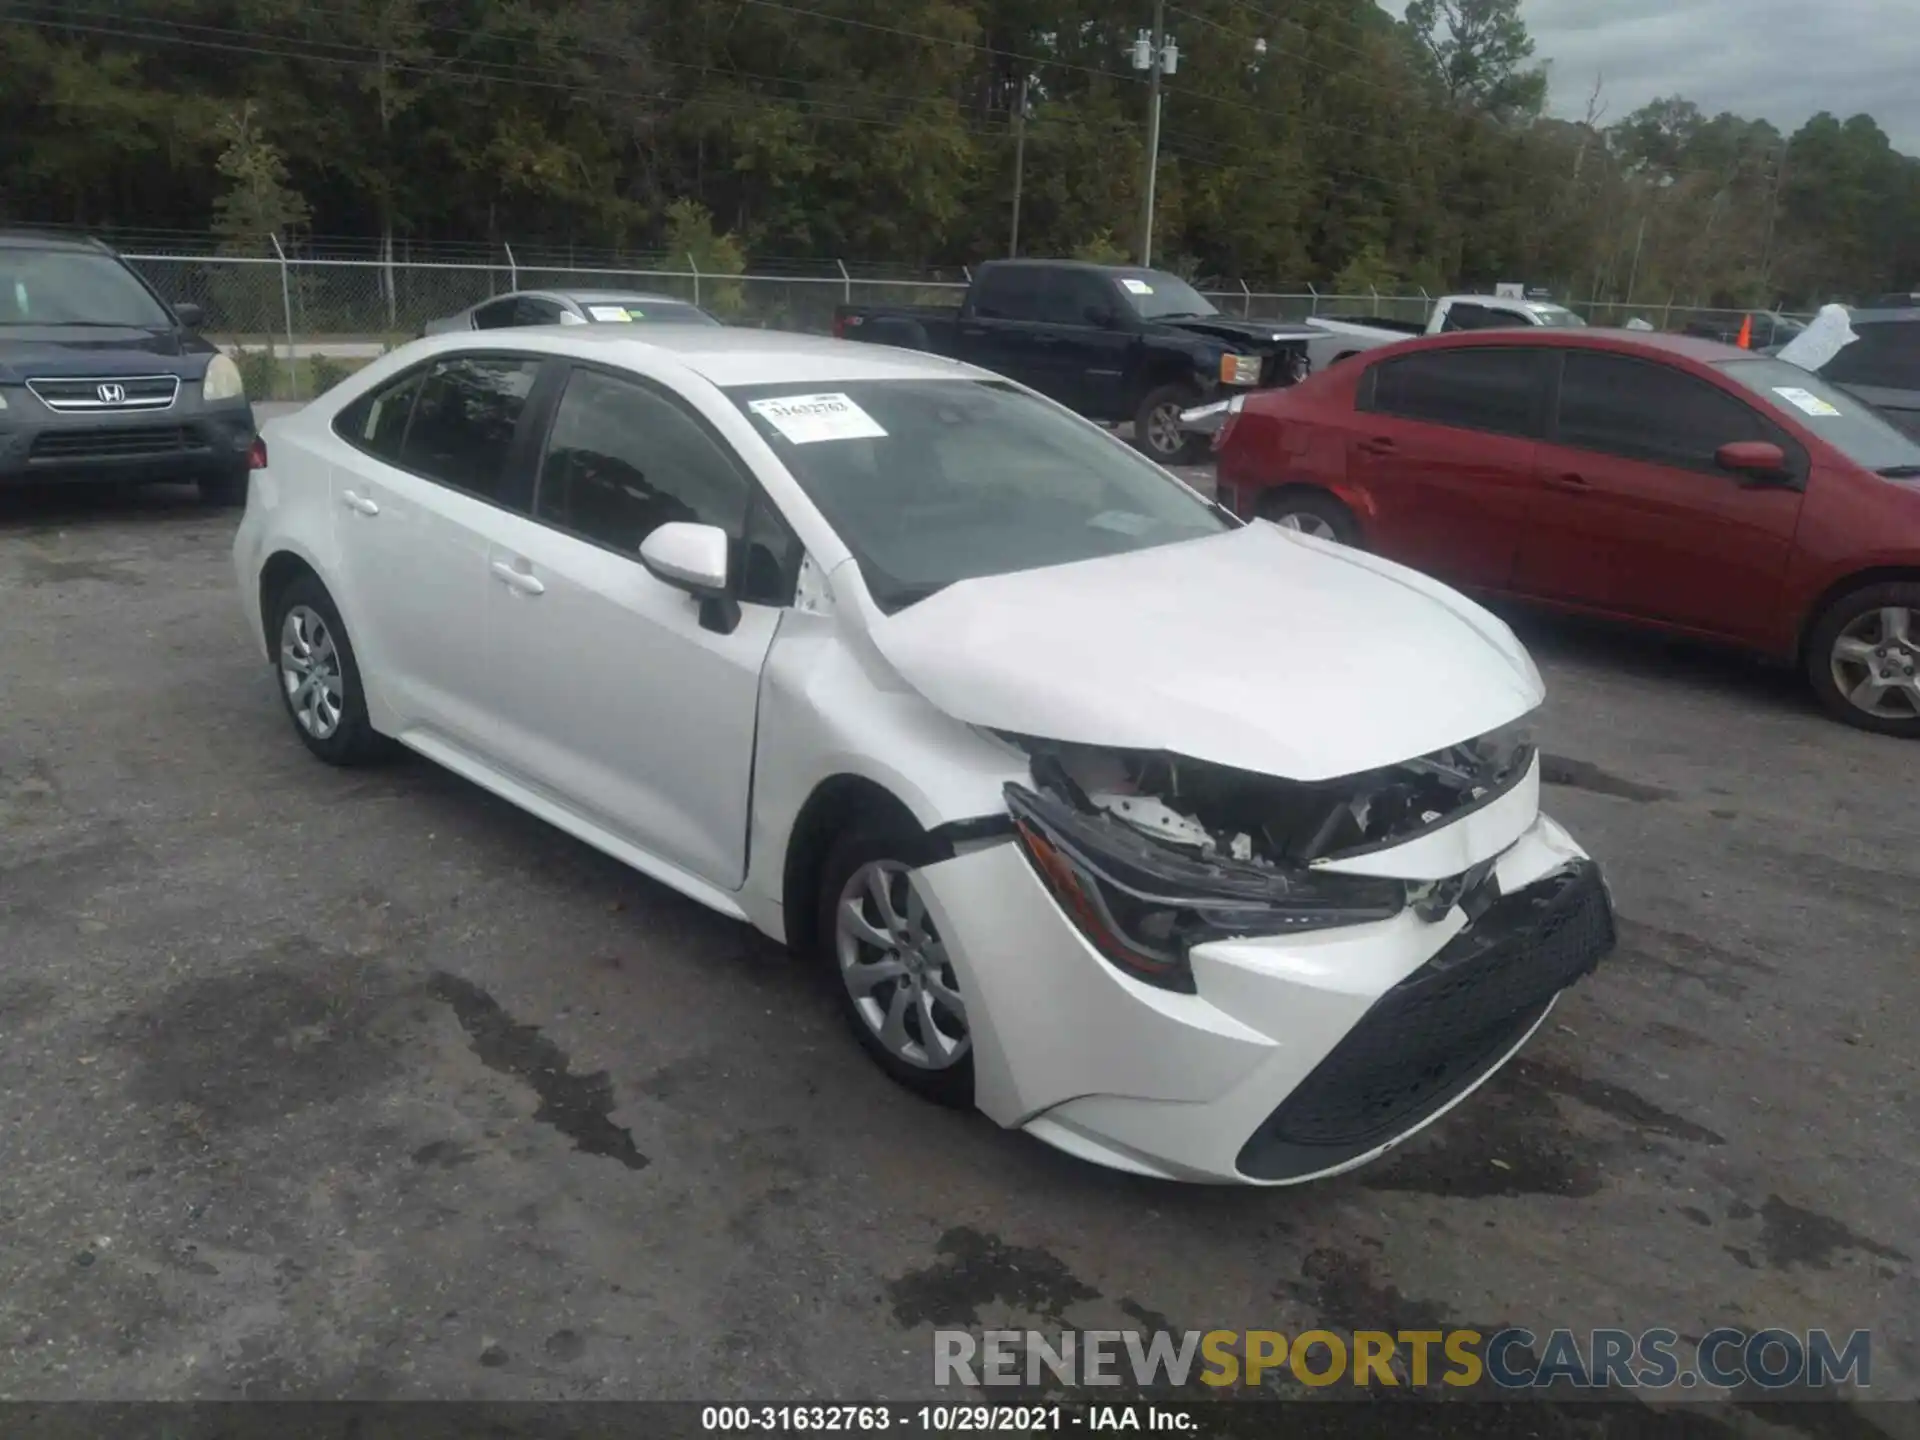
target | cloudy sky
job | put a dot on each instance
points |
(1782, 60)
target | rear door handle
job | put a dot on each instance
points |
(518, 579)
(359, 503)
(1568, 481)
(1379, 445)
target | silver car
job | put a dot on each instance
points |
(570, 307)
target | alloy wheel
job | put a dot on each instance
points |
(1307, 524)
(1876, 663)
(310, 672)
(895, 968)
(1165, 436)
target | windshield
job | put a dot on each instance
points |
(1156, 295)
(1847, 423)
(933, 481)
(74, 287)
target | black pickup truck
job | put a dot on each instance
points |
(1112, 342)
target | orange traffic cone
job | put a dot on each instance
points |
(1745, 341)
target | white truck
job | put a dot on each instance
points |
(1348, 336)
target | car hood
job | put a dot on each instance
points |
(64, 350)
(1261, 649)
(1240, 332)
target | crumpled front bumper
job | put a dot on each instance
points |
(1298, 1057)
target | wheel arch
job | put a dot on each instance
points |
(281, 569)
(1897, 574)
(836, 803)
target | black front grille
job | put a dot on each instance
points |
(121, 442)
(1437, 1032)
(107, 392)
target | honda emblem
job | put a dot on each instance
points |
(112, 394)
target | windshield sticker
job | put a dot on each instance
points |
(612, 314)
(806, 419)
(1137, 287)
(1805, 400)
(1122, 522)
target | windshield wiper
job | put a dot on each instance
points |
(1899, 472)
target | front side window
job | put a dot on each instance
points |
(464, 421)
(1496, 390)
(74, 287)
(930, 482)
(1009, 293)
(1474, 317)
(623, 460)
(1643, 410)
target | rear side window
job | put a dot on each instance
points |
(1643, 410)
(497, 315)
(377, 423)
(1012, 293)
(1499, 391)
(1475, 317)
(1886, 356)
(464, 421)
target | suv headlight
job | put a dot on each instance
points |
(223, 381)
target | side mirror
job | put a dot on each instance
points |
(688, 557)
(1755, 459)
(1101, 315)
(190, 315)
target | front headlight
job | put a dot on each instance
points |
(1240, 369)
(1144, 906)
(223, 381)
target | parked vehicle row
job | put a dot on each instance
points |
(1659, 479)
(1113, 343)
(1348, 336)
(907, 666)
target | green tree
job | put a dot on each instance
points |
(258, 203)
(1479, 50)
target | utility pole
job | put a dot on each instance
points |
(1633, 276)
(1019, 163)
(1773, 212)
(1154, 54)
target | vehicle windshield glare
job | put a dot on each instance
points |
(1847, 423)
(1156, 295)
(1557, 318)
(929, 482)
(74, 287)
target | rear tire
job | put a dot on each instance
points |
(1157, 432)
(1313, 512)
(318, 677)
(1863, 659)
(887, 963)
(224, 490)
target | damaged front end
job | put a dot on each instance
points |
(1152, 854)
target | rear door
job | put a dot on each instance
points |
(1000, 332)
(1882, 367)
(437, 470)
(1634, 515)
(1082, 341)
(1443, 450)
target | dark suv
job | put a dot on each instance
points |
(102, 379)
(1882, 367)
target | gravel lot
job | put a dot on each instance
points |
(328, 1084)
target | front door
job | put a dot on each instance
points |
(1444, 449)
(1634, 516)
(621, 696)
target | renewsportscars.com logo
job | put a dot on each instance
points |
(1513, 1359)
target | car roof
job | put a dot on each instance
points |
(730, 357)
(49, 240)
(1688, 347)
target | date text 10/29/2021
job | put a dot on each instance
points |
(945, 1419)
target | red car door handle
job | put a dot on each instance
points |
(1379, 445)
(1568, 481)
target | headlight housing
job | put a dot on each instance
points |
(1144, 906)
(1240, 369)
(222, 381)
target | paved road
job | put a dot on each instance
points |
(327, 1084)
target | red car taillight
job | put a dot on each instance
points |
(257, 456)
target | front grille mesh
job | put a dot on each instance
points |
(121, 442)
(1432, 1035)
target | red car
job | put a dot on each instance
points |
(1660, 479)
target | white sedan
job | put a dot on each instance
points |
(1200, 850)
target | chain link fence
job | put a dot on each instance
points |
(298, 325)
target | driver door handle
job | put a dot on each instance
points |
(1568, 481)
(359, 503)
(1378, 445)
(518, 579)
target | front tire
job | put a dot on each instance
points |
(319, 679)
(1313, 512)
(1863, 659)
(888, 963)
(1157, 431)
